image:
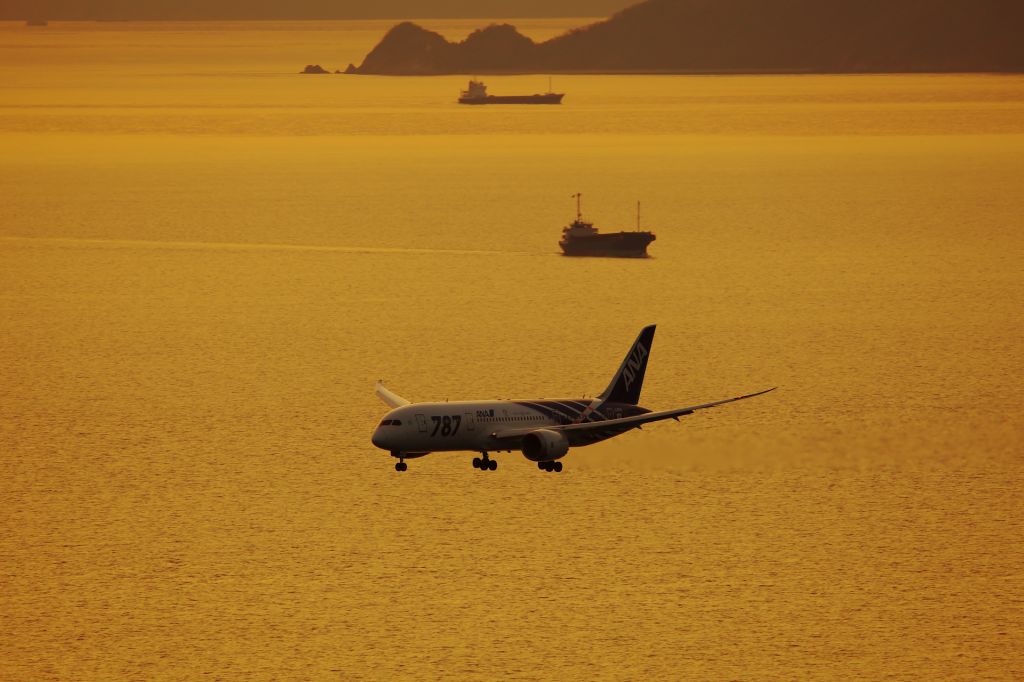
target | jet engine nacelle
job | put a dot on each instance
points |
(544, 445)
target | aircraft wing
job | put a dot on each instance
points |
(391, 399)
(583, 432)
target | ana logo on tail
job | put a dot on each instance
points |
(635, 362)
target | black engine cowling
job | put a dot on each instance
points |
(544, 445)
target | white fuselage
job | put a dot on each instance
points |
(420, 428)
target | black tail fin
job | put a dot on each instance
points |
(626, 385)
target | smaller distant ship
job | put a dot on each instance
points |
(476, 93)
(581, 238)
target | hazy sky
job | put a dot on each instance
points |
(269, 9)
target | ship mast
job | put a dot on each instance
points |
(579, 212)
(638, 216)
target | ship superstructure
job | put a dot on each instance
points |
(581, 238)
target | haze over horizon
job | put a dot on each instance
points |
(127, 10)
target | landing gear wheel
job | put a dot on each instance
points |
(541, 465)
(401, 466)
(484, 463)
(558, 467)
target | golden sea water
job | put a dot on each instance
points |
(206, 260)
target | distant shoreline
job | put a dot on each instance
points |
(745, 37)
(678, 72)
(199, 20)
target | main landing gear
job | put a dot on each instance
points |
(550, 466)
(484, 463)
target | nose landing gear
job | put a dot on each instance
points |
(484, 463)
(400, 465)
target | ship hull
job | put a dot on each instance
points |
(616, 245)
(550, 98)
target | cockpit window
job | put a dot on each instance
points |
(396, 422)
(386, 422)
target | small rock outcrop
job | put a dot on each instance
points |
(314, 68)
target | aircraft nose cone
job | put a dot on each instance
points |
(378, 440)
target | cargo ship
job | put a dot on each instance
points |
(581, 238)
(476, 93)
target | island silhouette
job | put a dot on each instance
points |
(733, 36)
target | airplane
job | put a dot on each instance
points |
(543, 430)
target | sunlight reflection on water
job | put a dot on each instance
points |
(198, 293)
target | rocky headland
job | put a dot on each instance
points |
(733, 36)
